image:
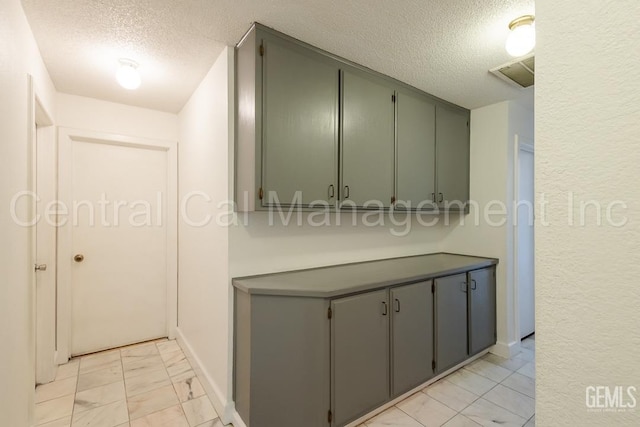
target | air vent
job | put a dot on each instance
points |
(519, 72)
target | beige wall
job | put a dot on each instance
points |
(587, 127)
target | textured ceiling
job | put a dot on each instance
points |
(443, 47)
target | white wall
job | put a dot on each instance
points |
(204, 297)
(259, 245)
(19, 55)
(587, 127)
(102, 116)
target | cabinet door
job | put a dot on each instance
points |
(451, 320)
(300, 125)
(416, 151)
(482, 309)
(411, 336)
(368, 139)
(360, 354)
(452, 156)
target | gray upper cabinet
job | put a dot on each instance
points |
(412, 335)
(300, 126)
(416, 151)
(451, 321)
(367, 140)
(316, 130)
(360, 354)
(482, 309)
(452, 157)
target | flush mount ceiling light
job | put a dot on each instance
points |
(522, 38)
(128, 75)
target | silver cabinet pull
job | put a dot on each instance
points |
(40, 267)
(474, 285)
(397, 301)
(433, 197)
(346, 191)
(463, 287)
(78, 258)
(441, 199)
(332, 191)
(384, 308)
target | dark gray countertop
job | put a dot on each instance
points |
(337, 280)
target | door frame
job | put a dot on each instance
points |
(525, 145)
(44, 146)
(65, 138)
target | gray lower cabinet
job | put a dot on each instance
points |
(452, 157)
(412, 336)
(281, 365)
(300, 125)
(368, 138)
(451, 321)
(360, 354)
(362, 340)
(303, 357)
(482, 309)
(465, 307)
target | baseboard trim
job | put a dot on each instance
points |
(505, 350)
(237, 420)
(224, 407)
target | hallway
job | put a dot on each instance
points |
(143, 385)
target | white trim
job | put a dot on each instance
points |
(46, 248)
(225, 408)
(525, 145)
(31, 185)
(237, 421)
(45, 352)
(506, 350)
(65, 137)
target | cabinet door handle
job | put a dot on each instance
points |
(441, 198)
(463, 287)
(397, 301)
(332, 191)
(474, 284)
(433, 197)
(384, 308)
(346, 191)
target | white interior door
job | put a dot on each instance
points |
(525, 240)
(118, 244)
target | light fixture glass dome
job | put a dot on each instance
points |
(128, 75)
(522, 38)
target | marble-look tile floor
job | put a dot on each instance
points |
(491, 391)
(152, 384)
(143, 385)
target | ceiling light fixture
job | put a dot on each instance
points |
(128, 75)
(522, 38)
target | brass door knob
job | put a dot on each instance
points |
(78, 258)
